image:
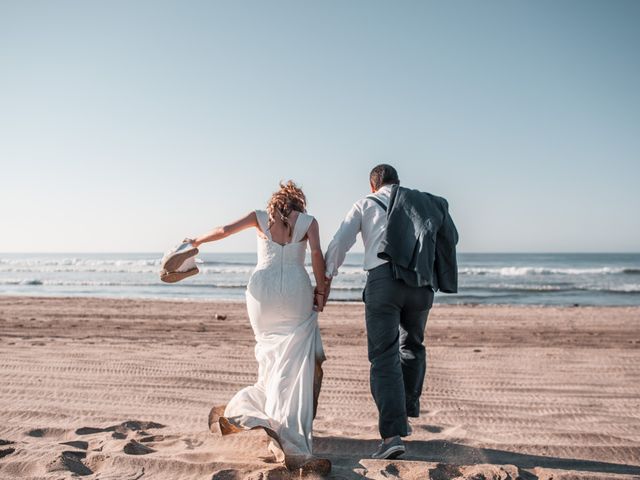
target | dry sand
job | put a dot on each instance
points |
(121, 389)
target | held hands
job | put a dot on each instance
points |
(327, 289)
(319, 299)
(321, 295)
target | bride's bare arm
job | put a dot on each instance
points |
(317, 262)
(218, 233)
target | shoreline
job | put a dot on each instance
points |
(542, 393)
(436, 304)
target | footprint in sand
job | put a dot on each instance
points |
(123, 428)
(90, 430)
(192, 444)
(431, 428)
(136, 448)
(228, 474)
(445, 471)
(277, 473)
(391, 470)
(70, 461)
(155, 438)
(122, 431)
(46, 432)
(6, 451)
(80, 444)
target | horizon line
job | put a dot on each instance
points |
(514, 252)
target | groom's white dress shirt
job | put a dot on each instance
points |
(367, 218)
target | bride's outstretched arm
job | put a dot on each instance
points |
(317, 263)
(218, 233)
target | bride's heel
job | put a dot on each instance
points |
(227, 428)
(217, 421)
(214, 417)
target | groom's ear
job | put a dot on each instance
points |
(373, 188)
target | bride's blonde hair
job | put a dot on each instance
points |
(290, 197)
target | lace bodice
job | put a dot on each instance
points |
(288, 344)
(292, 253)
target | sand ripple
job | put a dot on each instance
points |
(122, 389)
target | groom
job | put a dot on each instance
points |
(409, 243)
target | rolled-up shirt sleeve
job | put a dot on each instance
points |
(343, 240)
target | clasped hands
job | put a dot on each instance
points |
(321, 294)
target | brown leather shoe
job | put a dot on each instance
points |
(172, 261)
(214, 417)
(173, 277)
(227, 428)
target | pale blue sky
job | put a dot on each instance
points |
(125, 126)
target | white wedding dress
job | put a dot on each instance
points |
(288, 345)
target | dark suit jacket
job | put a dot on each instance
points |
(420, 240)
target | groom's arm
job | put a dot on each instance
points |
(343, 240)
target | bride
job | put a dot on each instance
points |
(282, 307)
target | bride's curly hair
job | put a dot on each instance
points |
(290, 197)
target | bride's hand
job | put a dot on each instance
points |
(327, 289)
(318, 300)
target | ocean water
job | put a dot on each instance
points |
(532, 279)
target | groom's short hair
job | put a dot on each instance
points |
(383, 174)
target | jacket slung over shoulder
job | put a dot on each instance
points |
(420, 240)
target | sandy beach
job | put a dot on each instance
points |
(122, 389)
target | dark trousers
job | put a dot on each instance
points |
(396, 316)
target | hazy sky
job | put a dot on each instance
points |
(125, 126)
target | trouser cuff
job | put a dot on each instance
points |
(395, 427)
(413, 409)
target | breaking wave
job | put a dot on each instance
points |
(523, 271)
